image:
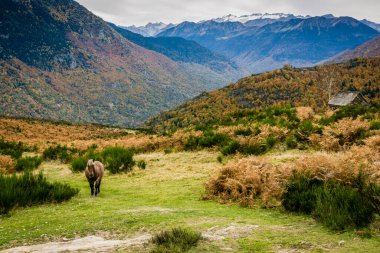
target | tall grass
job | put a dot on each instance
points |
(29, 189)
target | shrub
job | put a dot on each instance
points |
(79, 164)
(141, 164)
(270, 141)
(231, 148)
(175, 240)
(352, 111)
(254, 149)
(13, 149)
(28, 163)
(118, 159)
(208, 140)
(29, 189)
(340, 207)
(306, 128)
(375, 125)
(334, 204)
(291, 141)
(61, 153)
(244, 132)
(300, 194)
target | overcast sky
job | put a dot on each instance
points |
(140, 12)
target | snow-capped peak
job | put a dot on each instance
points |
(255, 16)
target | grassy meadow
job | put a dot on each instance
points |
(168, 194)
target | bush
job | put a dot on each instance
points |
(141, 164)
(254, 149)
(13, 149)
(61, 153)
(291, 141)
(270, 141)
(244, 132)
(231, 148)
(79, 164)
(29, 189)
(335, 205)
(208, 140)
(340, 207)
(176, 240)
(351, 111)
(300, 194)
(306, 128)
(118, 159)
(375, 125)
(28, 163)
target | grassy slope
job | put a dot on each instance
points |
(123, 208)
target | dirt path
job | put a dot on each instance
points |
(89, 243)
(99, 244)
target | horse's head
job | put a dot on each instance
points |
(91, 168)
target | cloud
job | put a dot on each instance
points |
(139, 12)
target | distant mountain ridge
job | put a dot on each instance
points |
(257, 16)
(300, 41)
(150, 29)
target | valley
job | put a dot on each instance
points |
(197, 132)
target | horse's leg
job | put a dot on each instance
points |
(100, 180)
(92, 187)
(97, 186)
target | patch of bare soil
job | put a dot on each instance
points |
(85, 244)
(233, 231)
(148, 209)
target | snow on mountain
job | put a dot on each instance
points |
(149, 30)
(255, 16)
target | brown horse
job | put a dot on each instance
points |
(94, 173)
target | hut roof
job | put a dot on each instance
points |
(344, 98)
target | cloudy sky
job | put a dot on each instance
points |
(140, 12)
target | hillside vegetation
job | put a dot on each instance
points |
(59, 61)
(284, 87)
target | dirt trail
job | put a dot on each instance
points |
(89, 243)
(99, 244)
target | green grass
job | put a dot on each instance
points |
(167, 195)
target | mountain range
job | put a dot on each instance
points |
(299, 41)
(59, 61)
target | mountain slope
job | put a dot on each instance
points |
(369, 49)
(287, 86)
(181, 50)
(207, 33)
(371, 24)
(300, 42)
(59, 61)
